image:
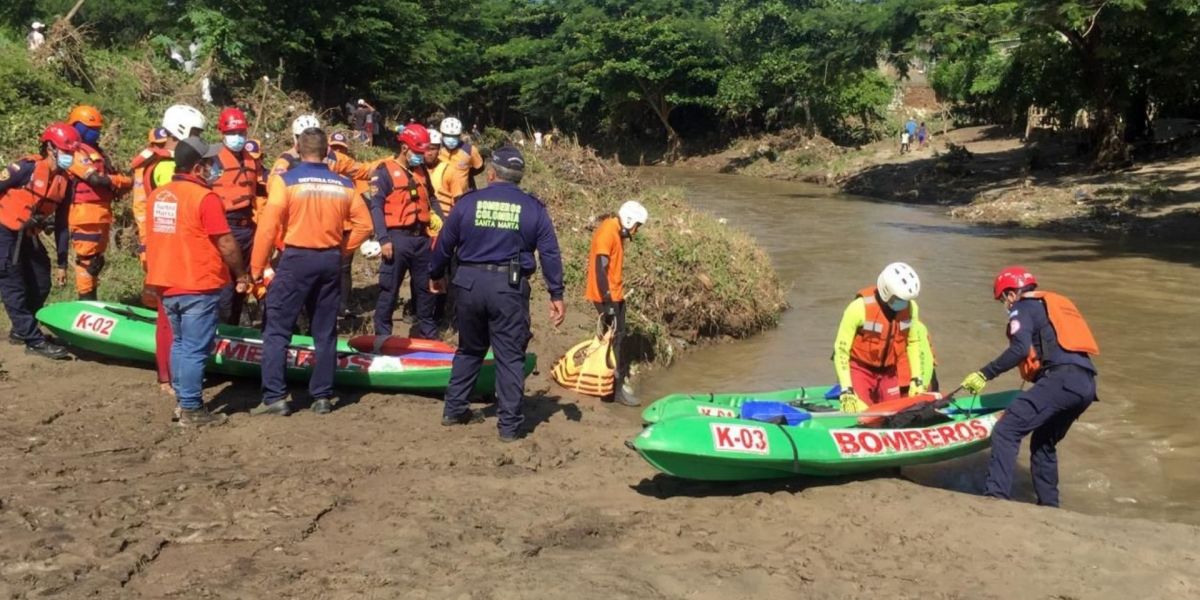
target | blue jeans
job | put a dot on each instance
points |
(194, 329)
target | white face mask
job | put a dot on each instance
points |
(235, 142)
(65, 160)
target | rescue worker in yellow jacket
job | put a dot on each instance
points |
(881, 345)
(462, 161)
(95, 184)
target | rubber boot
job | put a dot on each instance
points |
(624, 396)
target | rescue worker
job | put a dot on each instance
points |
(155, 151)
(33, 190)
(400, 196)
(606, 285)
(437, 171)
(339, 145)
(309, 205)
(157, 168)
(190, 254)
(462, 161)
(342, 164)
(880, 344)
(237, 173)
(96, 184)
(494, 233)
(1052, 345)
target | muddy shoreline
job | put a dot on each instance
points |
(987, 176)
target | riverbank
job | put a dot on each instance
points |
(987, 176)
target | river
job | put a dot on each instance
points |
(1135, 453)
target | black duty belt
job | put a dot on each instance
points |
(291, 247)
(494, 267)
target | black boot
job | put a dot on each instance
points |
(47, 350)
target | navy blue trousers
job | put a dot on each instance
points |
(24, 286)
(1047, 411)
(304, 280)
(231, 302)
(410, 255)
(489, 312)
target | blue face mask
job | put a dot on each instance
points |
(898, 304)
(215, 172)
(416, 160)
(450, 142)
(87, 134)
(235, 142)
(65, 160)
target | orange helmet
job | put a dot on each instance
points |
(157, 136)
(88, 115)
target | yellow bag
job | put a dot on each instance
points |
(588, 366)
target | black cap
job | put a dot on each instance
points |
(509, 158)
(191, 151)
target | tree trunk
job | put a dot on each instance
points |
(810, 129)
(1110, 148)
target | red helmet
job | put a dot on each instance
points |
(231, 119)
(61, 136)
(415, 137)
(1012, 278)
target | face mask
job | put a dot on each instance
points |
(214, 173)
(65, 160)
(898, 304)
(450, 142)
(416, 160)
(87, 134)
(235, 142)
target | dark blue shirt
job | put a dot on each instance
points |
(495, 224)
(18, 174)
(1029, 327)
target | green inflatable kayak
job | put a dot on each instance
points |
(127, 332)
(727, 405)
(728, 448)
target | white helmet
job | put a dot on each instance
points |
(435, 137)
(38, 25)
(451, 126)
(181, 119)
(371, 249)
(304, 122)
(632, 213)
(898, 280)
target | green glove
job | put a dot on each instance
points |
(975, 382)
(851, 403)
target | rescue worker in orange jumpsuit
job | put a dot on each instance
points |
(1052, 345)
(606, 285)
(237, 173)
(309, 205)
(400, 197)
(190, 255)
(342, 164)
(96, 185)
(462, 161)
(32, 191)
(881, 345)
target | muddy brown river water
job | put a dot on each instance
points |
(1135, 453)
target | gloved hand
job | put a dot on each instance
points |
(435, 225)
(851, 403)
(975, 382)
(120, 182)
(915, 388)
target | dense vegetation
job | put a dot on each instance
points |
(664, 72)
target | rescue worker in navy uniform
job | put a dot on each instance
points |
(494, 232)
(1052, 345)
(399, 197)
(33, 190)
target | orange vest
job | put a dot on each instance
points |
(881, 343)
(408, 204)
(40, 196)
(143, 182)
(179, 253)
(1072, 330)
(84, 193)
(239, 180)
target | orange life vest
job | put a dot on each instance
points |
(238, 181)
(40, 196)
(179, 253)
(84, 192)
(408, 204)
(1072, 330)
(881, 343)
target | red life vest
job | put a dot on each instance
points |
(408, 204)
(881, 343)
(40, 196)
(238, 181)
(179, 253)
(1072, 330)
(84, 192)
